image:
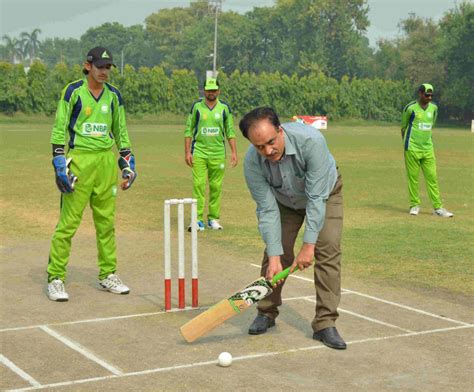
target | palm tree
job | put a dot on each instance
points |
(13, 48)
(31, 43)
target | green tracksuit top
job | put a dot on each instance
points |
(417, 125)
(92, 124)
(209, 128)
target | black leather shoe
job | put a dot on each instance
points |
(261, 324)
(331, 338)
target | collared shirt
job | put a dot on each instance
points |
(302, 179)
(90, 123)
(209, 128)
(417, 125)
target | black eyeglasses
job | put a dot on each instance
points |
(428, 95)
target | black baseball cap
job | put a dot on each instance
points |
(100, 56)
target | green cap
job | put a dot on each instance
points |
(211, 84)
(425, 87)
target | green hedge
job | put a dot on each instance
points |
(152, 91)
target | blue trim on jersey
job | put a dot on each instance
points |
(76, 110)
(226, 104)
(116, 92)
(193, 142)
(194, 104)
(408, 105)
(99, 97)
(410, 122)
(71, 88)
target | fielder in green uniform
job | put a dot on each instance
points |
(208, 125)
(418, 119)
(91, 119)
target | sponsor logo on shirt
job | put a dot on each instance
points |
(425, 126)
(94, 129)
(210, 131)
(104, 108)
(88, 111)
(429, 114)
(217, 116)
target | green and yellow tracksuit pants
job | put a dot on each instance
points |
(96, 185)
(203, 169)
(414, 160)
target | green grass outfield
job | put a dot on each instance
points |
(382, 243)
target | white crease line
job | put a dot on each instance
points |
(82, 350)
(385, 301)
(95, 320)
(25, 376)
(241, 358)
(409, 308)
(365, 317)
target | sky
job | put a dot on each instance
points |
(72, 18)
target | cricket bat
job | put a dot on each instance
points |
(230, 307)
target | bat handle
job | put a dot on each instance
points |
(282, 275)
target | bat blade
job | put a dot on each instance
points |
(229, 307)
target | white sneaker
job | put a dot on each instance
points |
(214, 224)
(56, 291)
(443, 213)
(200, 226)
(113, 284)
(415, 210)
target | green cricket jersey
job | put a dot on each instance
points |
(417, 124)
(209, 128)
(92, 124)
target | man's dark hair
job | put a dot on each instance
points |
(256, 115)
(85, 71)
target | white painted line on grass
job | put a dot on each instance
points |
(82, 350)
(241, 358)
(25, 376)
(385, 301)
(365, 317)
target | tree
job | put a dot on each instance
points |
(13, 49)
(418, 50)
(31, 44)
(61, 50)
(456, 51)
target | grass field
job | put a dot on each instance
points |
(381, 242)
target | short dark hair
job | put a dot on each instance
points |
(85, 71)
(255, 115)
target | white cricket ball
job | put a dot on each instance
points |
(224, 359)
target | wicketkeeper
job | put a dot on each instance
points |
(90, 118)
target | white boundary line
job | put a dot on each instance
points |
(25, 376)
(82, 350)
(385, 301)
(241, 358)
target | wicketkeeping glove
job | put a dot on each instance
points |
(126, 164)
(65, 179)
